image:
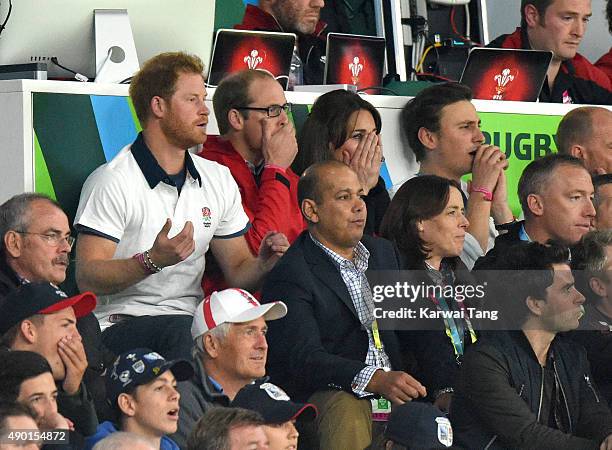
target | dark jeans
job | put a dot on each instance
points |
(170, 336)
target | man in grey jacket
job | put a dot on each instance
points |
(230, 351)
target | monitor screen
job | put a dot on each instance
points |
(237, 50)
(355, 59)
(40, 29)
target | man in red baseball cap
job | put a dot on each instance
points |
(39, 317)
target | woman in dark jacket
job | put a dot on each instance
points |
(344, 126)
(426, 221)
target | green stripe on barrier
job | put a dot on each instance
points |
(134, 116)
(42, 179)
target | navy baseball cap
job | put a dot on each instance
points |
(419, 426)
(41, 298)
(272, 403)
(140, 366)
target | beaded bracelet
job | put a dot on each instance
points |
(155, 268)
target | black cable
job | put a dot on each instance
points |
(3, 26)
(56, 62)
(77, 76)
(378, 88)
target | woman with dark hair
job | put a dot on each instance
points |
(427, 223)
(344, 126)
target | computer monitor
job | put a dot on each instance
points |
(237, 50)
(40, 29)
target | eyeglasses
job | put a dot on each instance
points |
(271, 111)
(53, 240)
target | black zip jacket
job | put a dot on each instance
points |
(498, 397)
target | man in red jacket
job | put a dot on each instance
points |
(257, 143)
(293, 16)
(559, 26)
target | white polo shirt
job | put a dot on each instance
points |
(128, 200)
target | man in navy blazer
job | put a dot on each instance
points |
(327, 349)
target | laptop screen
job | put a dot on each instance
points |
(237, 50)
(355, 59)
(506, 74)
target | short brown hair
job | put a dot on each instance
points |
(12, 409)
(233, 92)
(213, 429)
(425, 111)
(540, 5)
(158, 76)
(8, 339)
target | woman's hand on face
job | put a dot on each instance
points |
(366, 160)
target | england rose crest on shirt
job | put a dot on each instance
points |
(206, 217)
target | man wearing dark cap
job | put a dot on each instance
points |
(278, 411)
(141, 387)
(39, 317)
(419, 426)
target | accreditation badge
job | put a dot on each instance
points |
(381, 408)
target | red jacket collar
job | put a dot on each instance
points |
(222, 148)
(518, 39)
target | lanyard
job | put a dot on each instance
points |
(379, 346)
(376, 335)
(452, 331)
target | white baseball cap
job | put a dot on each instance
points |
(233, 306)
